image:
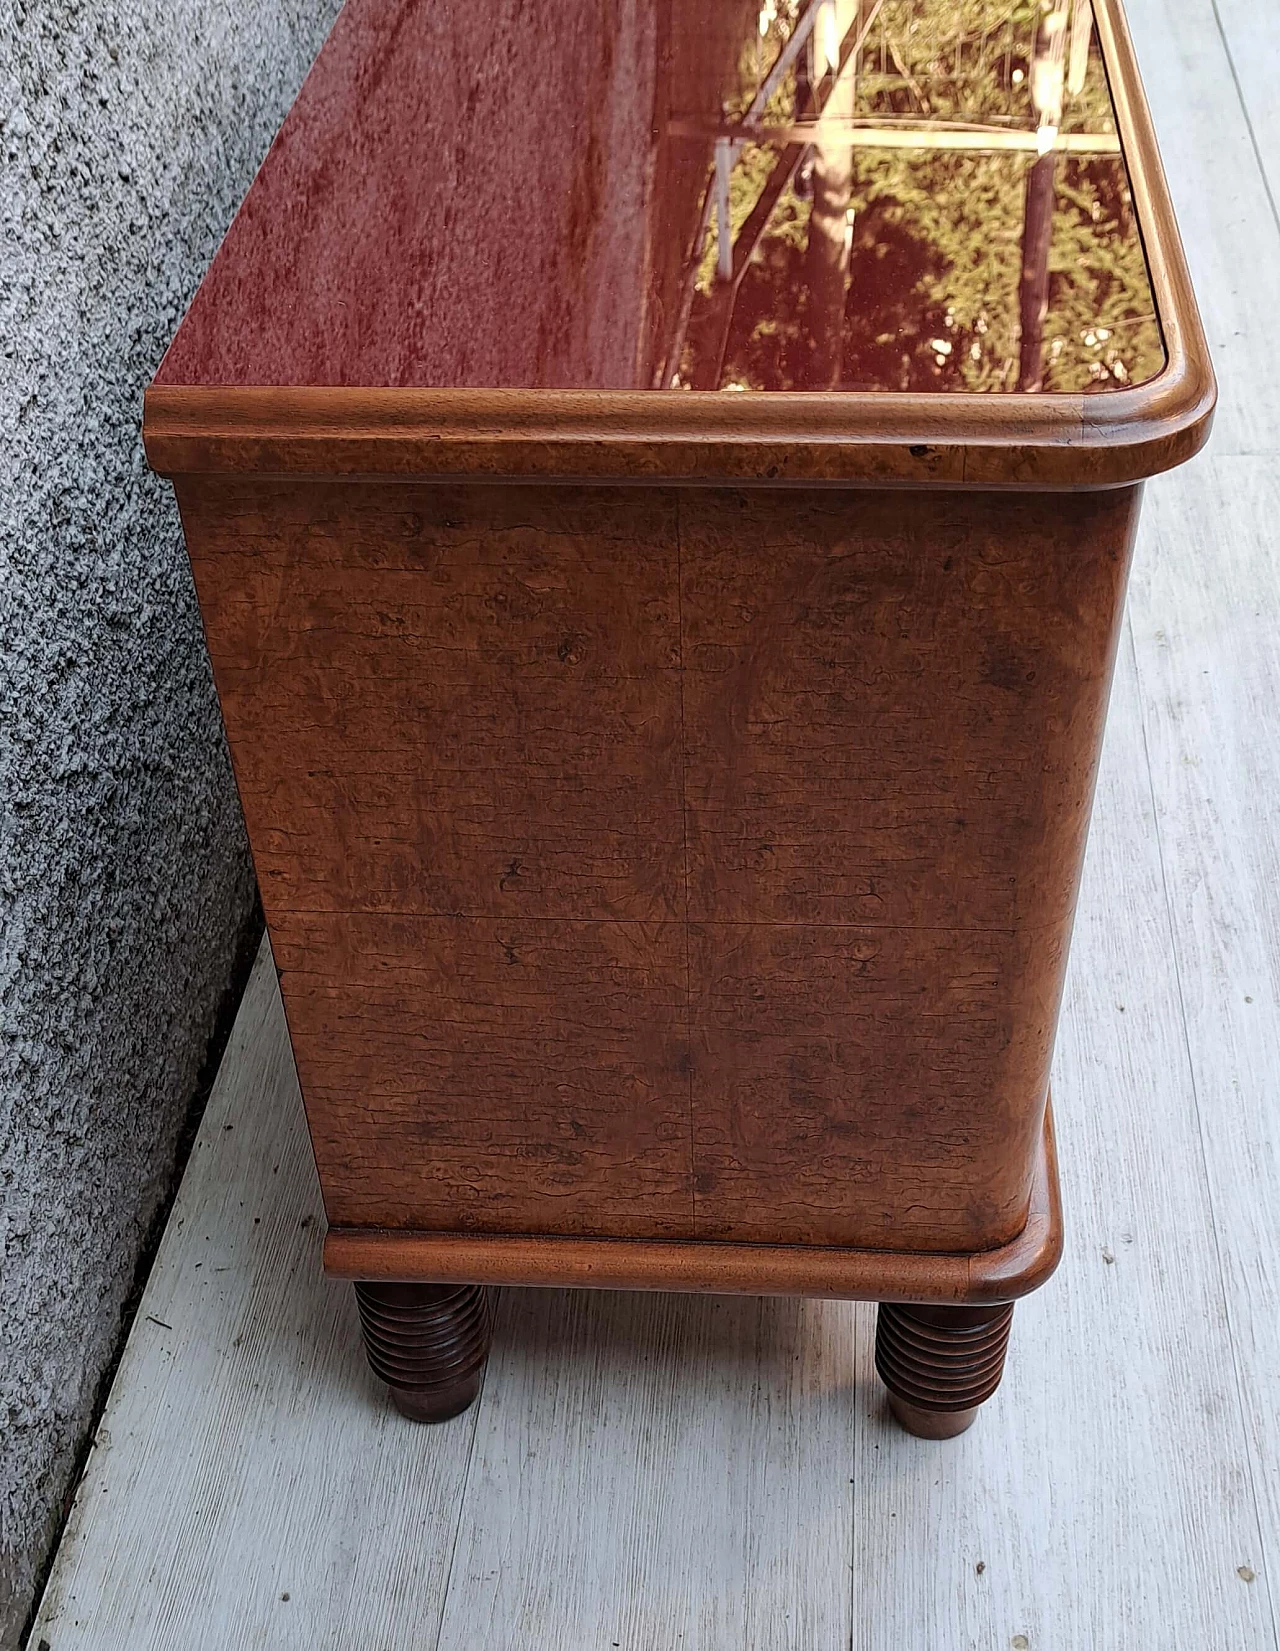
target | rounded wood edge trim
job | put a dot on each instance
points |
(1003, 1274)
(1018, 1268)
(455, 436)
(1018, 441)
(1175, 409)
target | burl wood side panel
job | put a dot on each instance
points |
(893, 710)
(454, 716)
(496, 1075)
(852, 1085)
(892, 702)
(450, 701)
(661, 862)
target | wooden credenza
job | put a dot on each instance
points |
(660, 492)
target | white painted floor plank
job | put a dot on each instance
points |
(1251, 29)
(1205, 610)
(249, 1486)
(1105, 1490)
(1223, 209)
(655, 1471)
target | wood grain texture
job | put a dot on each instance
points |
(454, 718)
(878, 1087)
(449, 701)
(1025, 442)
(939, 1364)
(381, 244)
(502, 1076)
(428, 1342)
(996, 1275)
(837, 752)
(680, 865)
(893, 707)
(866, 676)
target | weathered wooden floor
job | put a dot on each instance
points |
(654, 1473)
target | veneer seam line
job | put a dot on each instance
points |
(684, 831)
(593, 920)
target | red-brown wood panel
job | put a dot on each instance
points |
(875, 1087)
(893, 709)
(667, 863)
(894, 701)
(447, 701)
(496, 1075)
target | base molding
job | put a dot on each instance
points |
(998, 1275)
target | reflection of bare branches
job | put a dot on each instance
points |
(665, 375)
(949, 246)
(917, 90)
(1048, 67)
(955, 136)
(1132, 321)
(1081, 30)
(724, 293)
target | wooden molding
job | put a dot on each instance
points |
(870, 438)
(1004, 1274)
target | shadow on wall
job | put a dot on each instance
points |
(127, 137)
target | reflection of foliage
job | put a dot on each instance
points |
(937, 238)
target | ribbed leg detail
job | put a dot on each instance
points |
(940, 1363)
(428, 1342)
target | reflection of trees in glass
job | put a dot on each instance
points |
(937, 236)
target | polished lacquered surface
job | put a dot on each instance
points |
(921, 195)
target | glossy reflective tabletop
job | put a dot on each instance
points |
(884, 195)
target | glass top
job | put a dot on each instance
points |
(882, 195)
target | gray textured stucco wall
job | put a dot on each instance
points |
(128, 134)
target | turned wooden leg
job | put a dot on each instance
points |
(940, 1363)
(428, 1342)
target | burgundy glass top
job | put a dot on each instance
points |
(707, 194)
